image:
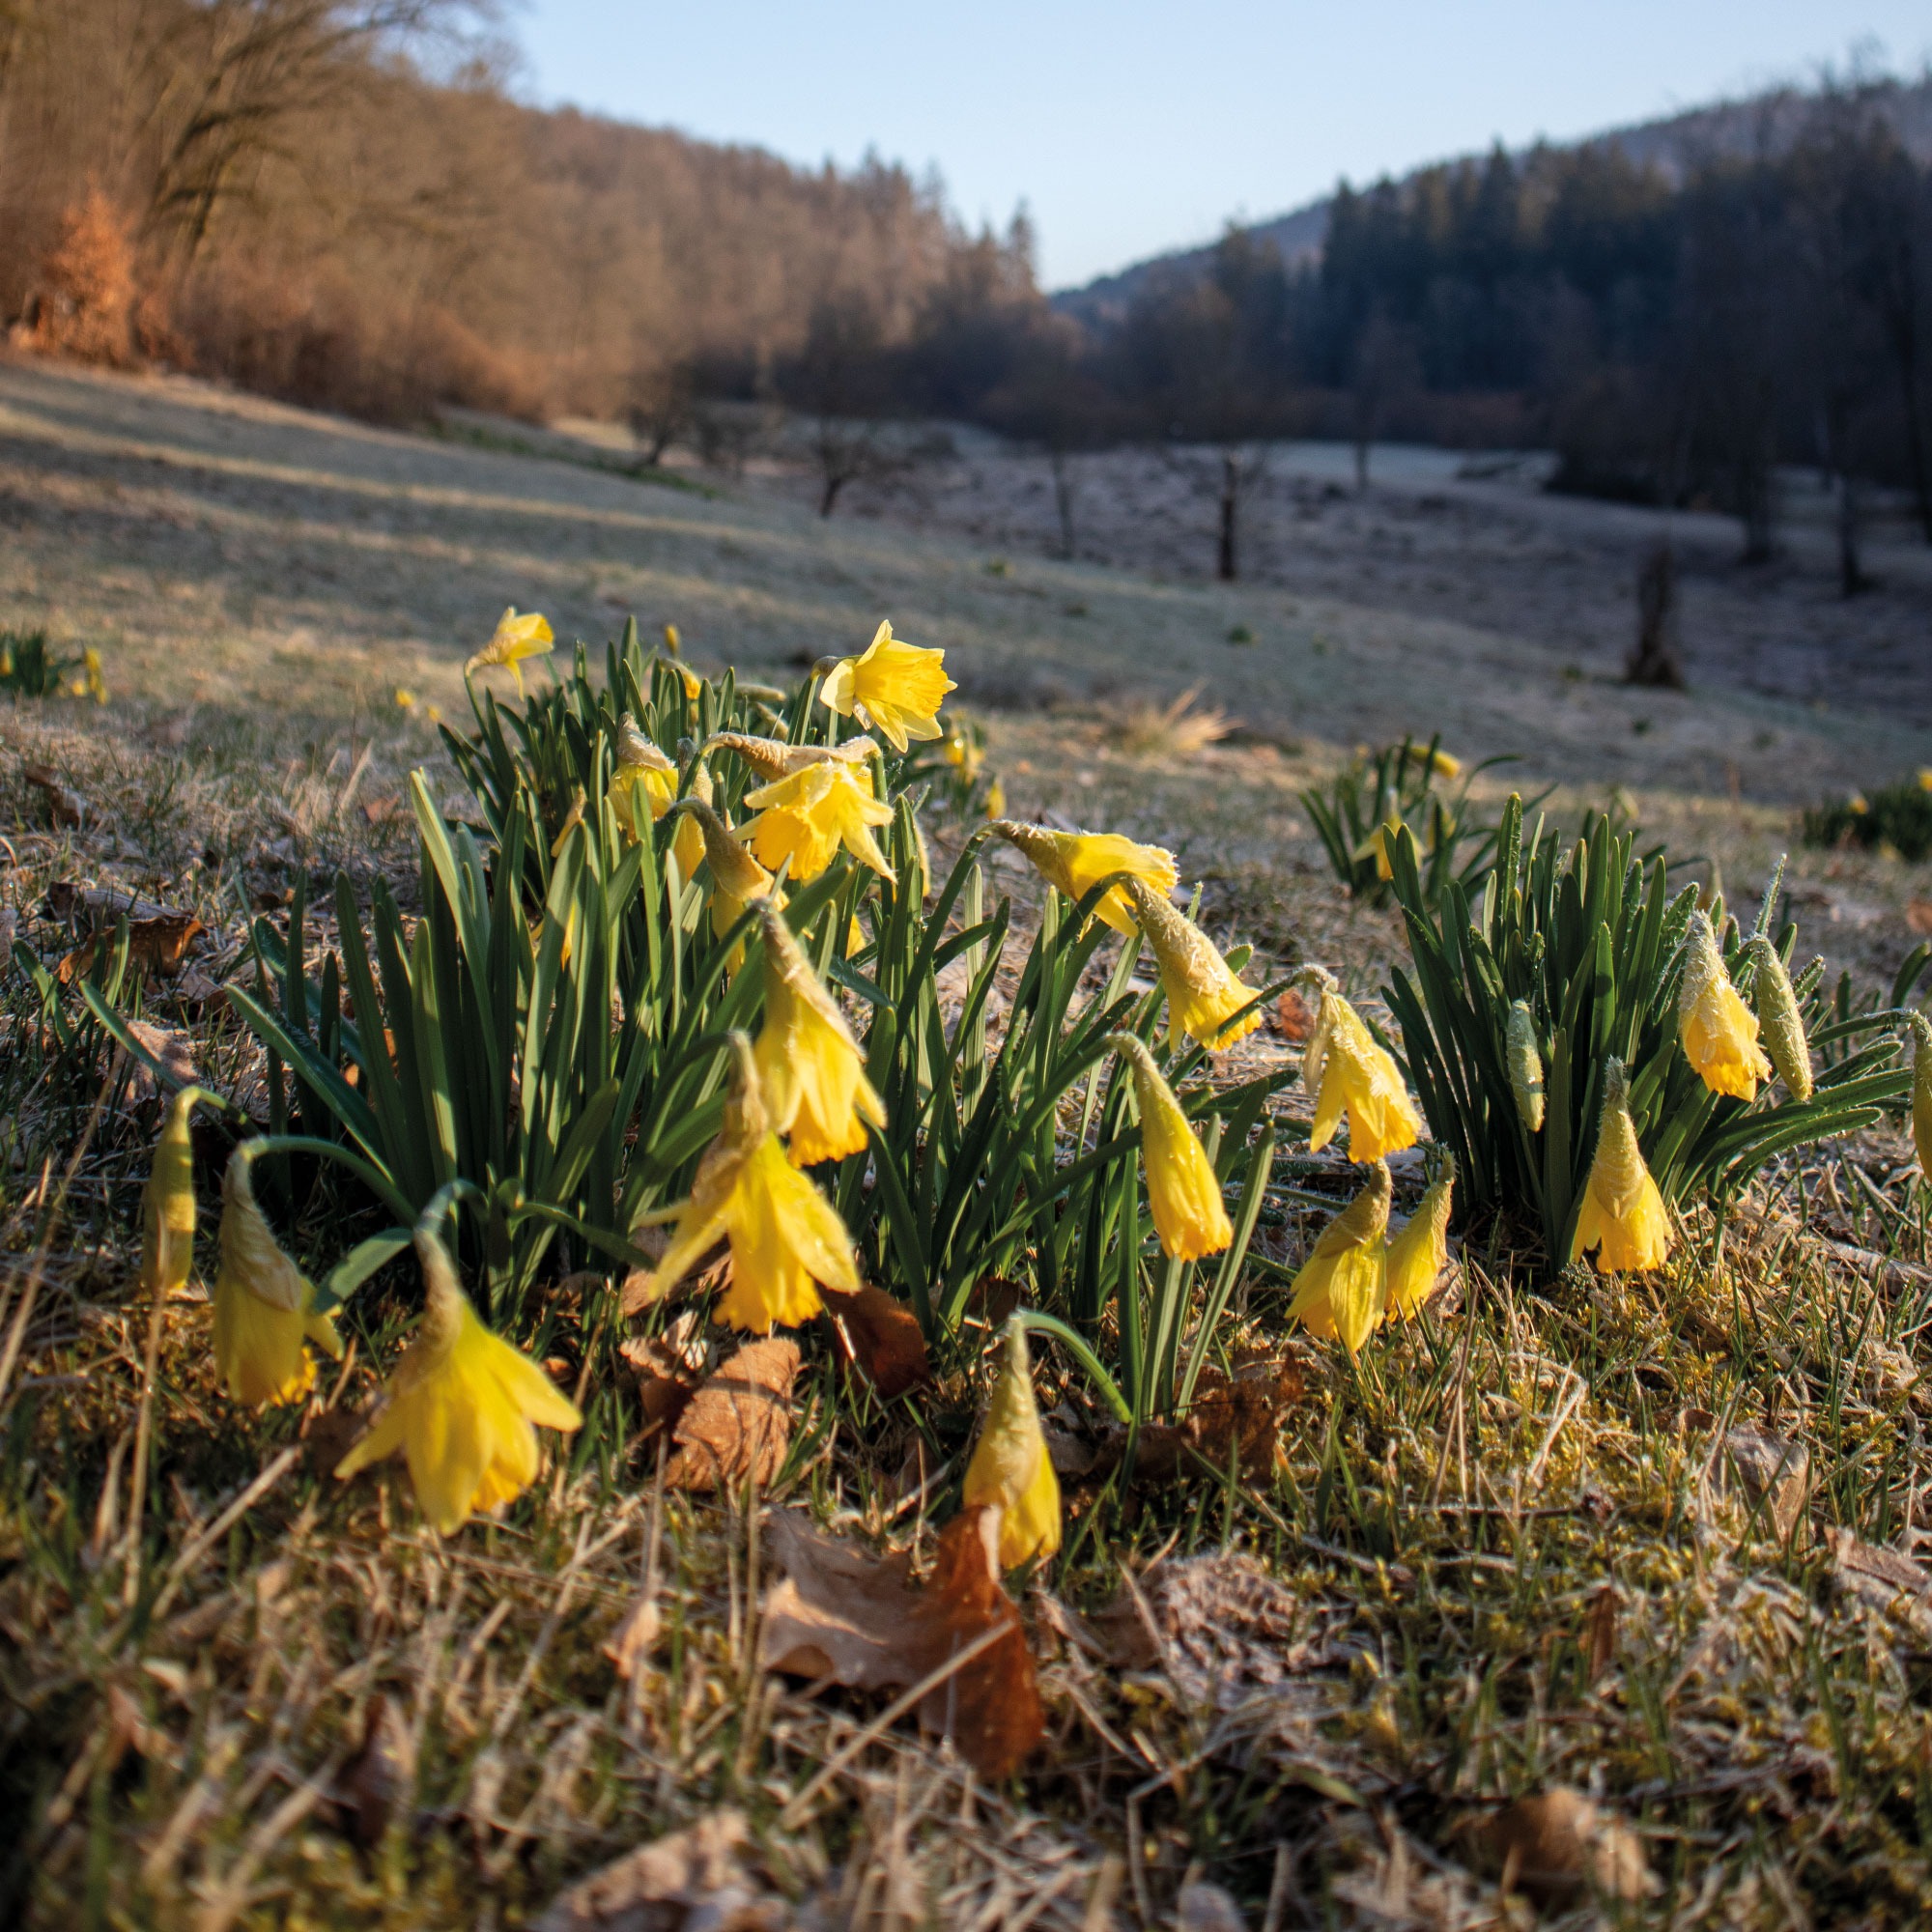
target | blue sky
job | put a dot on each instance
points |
(1128, 127)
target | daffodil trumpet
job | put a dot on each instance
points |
(265, 1307)
(1078, 864)
(1351, 1072)
(1184, 1193)
(1206, 1001)
(1622, 1216)
(1010, 1468)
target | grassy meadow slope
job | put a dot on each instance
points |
(1517, 1544)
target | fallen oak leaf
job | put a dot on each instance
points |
(667, 1369)
(670, 1882)
(844, 1616)
(67, 806)
(738, 1423)
(157, 946)
(1555, 1844)
(881, 1337)
(1293, 1017)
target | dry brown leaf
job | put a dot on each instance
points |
(154, 945)
(860, 1620)
(1293, 1017)
(1601, 1630)
(1775, 1476)
(693, 1877)
(882, 1338)
(1239, 1418)
(1919, 915)
(1219, 1626)
(993, 1299)
(65, 805)
(104, 905)
(1884, 1579)
(376, 1778)
(1207, 1907)
(665, 1375)
(379, 811)
(1554, 1845)
(174, 1050)
(738, 1424)
(636, 1634)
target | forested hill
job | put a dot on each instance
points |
(1672, 146)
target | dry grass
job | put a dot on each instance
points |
(1515, 1546)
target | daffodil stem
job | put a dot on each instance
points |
(1036, 1323)
(372, 1178)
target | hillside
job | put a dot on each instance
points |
(1671, 145)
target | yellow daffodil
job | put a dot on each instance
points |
(1856, 803)
(1526, 1065)
(808, 816)
(404, 697)
(460, 1406)
(1348, 1071)
(1444, 765)
(1376, 847)
(1339, 1289)
(1784, 1041)
(1925, 778)
(1418, 1255)
(674, 644)
(93, 679)
(643, 767)
(167, 1202)
(1074, 863)
(1622, 1215)
(785, 1237)
(1189, 1215)
(810, 1067)
(894, 688)
(996, 799)
(1202, 995)
(963, 755)
(1718, 1030)
(1921, 1092)
(262, 1305)
(1010, 1469)
(514, 640)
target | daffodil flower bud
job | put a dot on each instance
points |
(1783, 1024)
(1718, 1030)
(1525, 1065)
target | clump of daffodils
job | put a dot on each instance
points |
(1718, 1030)
(1074, 863)
(460, 1406)
(1622, 1215)
(1203, 995)
(810, 1067)
(1189, 1215)
(1350, 1072)
(785, 1238)
(893, 688)
(1010, 1468)
(263, 1306)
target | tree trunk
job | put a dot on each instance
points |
(1225, 564)
(1852, 578)
(834, 481)
(1063, 499)
(1655, 660)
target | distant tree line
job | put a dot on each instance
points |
(336, 201)
(1673, 337)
